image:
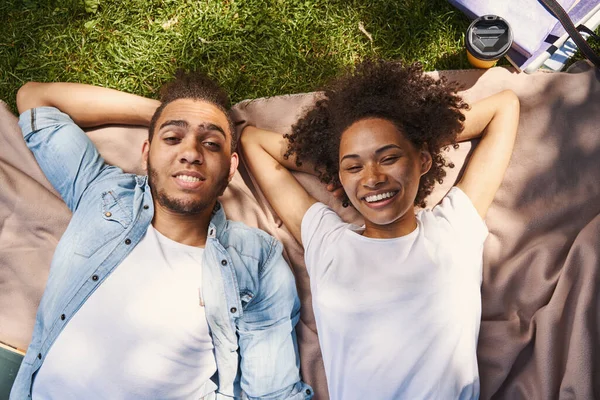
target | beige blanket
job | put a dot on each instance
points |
(540, 331)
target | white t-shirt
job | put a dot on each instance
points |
(398, 318)
(141, 335)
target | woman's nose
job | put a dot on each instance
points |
(373, 176)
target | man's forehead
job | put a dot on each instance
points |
(195, 113)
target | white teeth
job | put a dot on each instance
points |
(379, 197)
(187, 178)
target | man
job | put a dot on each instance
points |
(152, 293)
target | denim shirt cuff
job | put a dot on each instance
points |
(38, 118)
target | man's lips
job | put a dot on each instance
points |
(189, 179)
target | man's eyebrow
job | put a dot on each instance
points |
(212, 127)
(377, 152)
(184, 124)
(175, 122)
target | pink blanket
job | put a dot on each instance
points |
(540, 331)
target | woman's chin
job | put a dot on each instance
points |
(388, 218)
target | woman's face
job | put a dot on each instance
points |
(380, 171)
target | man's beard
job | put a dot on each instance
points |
(185, 207)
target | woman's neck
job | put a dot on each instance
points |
(403, 226)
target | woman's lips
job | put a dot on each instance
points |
(385, 200)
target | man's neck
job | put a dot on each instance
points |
(186, 229)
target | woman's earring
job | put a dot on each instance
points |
(345, 204)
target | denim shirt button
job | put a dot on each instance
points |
(146, 206)
(62, 317)
(308, 391)
(223, 262)
(40, 356)
(127, 241)
(95, 278)
(233, 310)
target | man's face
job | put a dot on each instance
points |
(380, 170)
(189, 161)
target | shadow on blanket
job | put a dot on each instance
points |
(540, 331)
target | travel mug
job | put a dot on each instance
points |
(488, 38)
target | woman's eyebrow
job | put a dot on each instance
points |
(349, 156)
(377, 152)
(387, 147)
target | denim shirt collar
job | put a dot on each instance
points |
(217, 221)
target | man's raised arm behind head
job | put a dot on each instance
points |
(88, 105)
(52, 115)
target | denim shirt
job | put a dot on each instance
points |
(250, 297)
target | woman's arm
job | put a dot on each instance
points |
(88, 105)
(495, 120)
(263, 153)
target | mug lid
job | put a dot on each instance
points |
(488, 37)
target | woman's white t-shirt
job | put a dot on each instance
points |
(398, 318)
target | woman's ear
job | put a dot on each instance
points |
(426, 160)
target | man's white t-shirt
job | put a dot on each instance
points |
(398, 318)
(142, 334)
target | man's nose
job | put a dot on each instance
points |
(373, 176)
(190, 152)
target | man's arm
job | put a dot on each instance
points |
(263, 153)
(267, 337)
(88, 105)
(495, 119)
(65, 154)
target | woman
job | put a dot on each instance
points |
(397, 302)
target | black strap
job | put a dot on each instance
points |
(583, 28)
(557, 11)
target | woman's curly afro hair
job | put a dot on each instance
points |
(426, 110)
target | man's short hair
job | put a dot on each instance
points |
(194, 85)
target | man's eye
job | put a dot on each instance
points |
(171, 140)
(212, 145)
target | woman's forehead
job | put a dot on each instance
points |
(370, 134)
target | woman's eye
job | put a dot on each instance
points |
(354, 168)
(390, 160)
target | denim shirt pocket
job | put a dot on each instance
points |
(246, 297)
(104, 223)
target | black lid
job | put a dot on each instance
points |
(488, 37)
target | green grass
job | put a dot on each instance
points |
(254, 48)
